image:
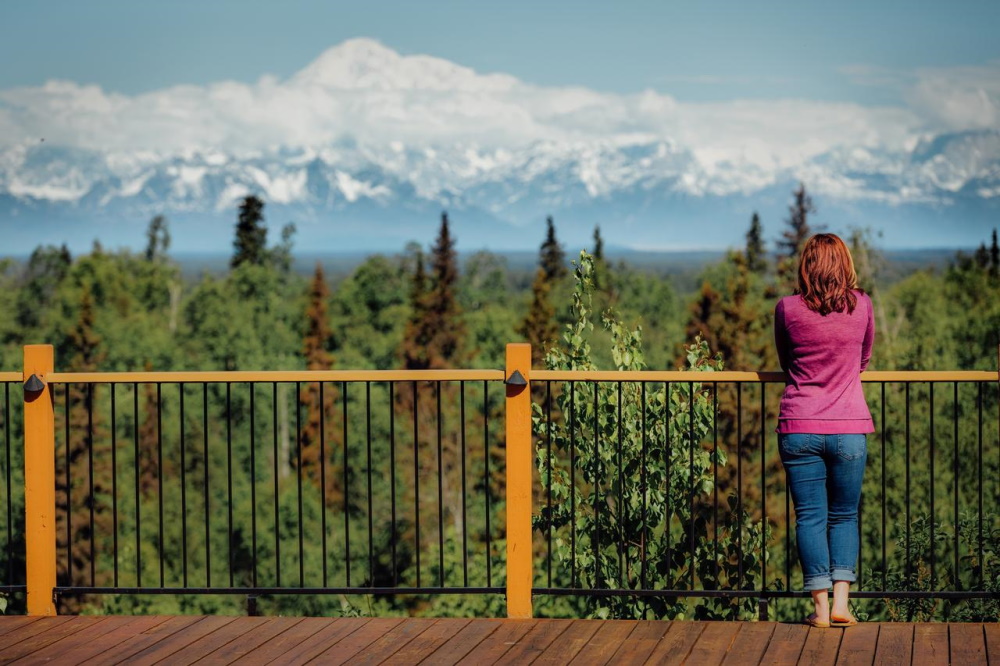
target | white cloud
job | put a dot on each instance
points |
(366, 92)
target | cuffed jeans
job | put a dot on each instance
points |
(824, 476)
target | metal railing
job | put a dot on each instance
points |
(719, 525)
(12, 489)
(659, 489)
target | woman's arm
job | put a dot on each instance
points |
(869, 340)
(781, 335)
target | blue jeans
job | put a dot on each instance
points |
(824, 476)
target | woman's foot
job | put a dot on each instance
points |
(814, 621)
(842, 619)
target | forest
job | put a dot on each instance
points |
(347, 485)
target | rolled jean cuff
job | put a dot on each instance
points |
(818, 582)
(844, 574)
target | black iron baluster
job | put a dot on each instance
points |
(465, 524)
(135, 464)
(69, 502)
(229, 475)
(906, 503)
(572, 483)
(90, 489)
(208, 508)
(548, 481)
(954, 475)
(322, 480)
(979, 419)
(597, 489)
(440, 465)
(160, 546)
(643, 491)
(253, 479)
(621, 496)
(114, 484)
(715, 477)
(275, 466)
(371, 525)
(765, 523)
(486, 484)
(691, 484)
(885, 537)
(392, 478)
(184, 554)
(668, 518)
(932, 480)
(739, 484)
(298, 479)
(347, 493)
(10, 520)
(416, 480)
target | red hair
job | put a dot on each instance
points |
(827, 278)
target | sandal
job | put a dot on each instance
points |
(843, 622)
(813, 622)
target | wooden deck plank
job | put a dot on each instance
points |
(103, 637)
(749, 644)
(165, 646)
(968, 643)
(497, 643)
(714, 643)
(676, 643)
(930, 644)
(464, 642)
(641, 642)
(284, 642)
(356, 641)
(247, 644)
(821, 647)
(12, 622)
(397, 638)
(428, 641)
(992, 632)
(570, 642)
(54, 632)
(533, 643)
(230, 631)
(786, 644)
(331, 631)
(27, 630)
(138, 642)
(857, 647)
(599, 649)
(895, 644)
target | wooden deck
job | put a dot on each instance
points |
(294, 640)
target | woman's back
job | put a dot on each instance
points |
(823, 356)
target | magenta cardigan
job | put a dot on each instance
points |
(824, 357)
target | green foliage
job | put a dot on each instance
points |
(631, 482)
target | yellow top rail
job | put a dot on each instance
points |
(247, 376)
(677, 376)
(755, 377)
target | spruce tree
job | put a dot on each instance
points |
(416, 335)
(553, 258)
(319, 410)
(250, 244)
(157, 239)
(755, 252)
(83, 499)
(443, 315)
(994, 256)
(794, 238)
(539, 327)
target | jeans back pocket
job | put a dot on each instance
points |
(852, 447)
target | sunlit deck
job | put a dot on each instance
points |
(295, 640)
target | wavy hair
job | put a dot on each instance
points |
(827, 279)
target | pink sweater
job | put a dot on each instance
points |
(824, 357)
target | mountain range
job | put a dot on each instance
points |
(385, 180)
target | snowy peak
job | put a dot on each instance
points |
(366, 64)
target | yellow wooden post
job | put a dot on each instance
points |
(39, 481)
(518, 430)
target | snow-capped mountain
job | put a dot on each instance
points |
(364, 147)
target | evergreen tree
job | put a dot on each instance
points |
(417, 334)
(320, 410)
(250, 245)
(442, 325)
(994, 256)
(601, 277)
(553, 258)
(84, 500)
(157, 239)
(755, 252)
(539, 327)
(794, 238)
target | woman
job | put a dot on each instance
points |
(824, 337)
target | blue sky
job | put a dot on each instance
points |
(695, 51)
